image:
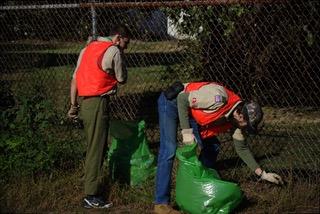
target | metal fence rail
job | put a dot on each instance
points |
(265, 50)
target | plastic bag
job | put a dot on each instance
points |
(199, 189)
(129, 157)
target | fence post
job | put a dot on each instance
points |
(94, 20)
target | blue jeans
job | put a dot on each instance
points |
(168, 120)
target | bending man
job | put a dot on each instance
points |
(205, 109)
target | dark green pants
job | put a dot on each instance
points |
(95, 115)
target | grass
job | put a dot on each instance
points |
(293, 198)
(149, 78)
(58, 47)
(62, 192)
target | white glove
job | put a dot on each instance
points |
(187, 136)
(271, 177)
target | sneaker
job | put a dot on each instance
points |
(95, 202)
(164, 209)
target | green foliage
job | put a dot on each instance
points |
(6, 96)
(201, 25)
(31, 140)
(192, 69)
(199, 21)
(229, 16)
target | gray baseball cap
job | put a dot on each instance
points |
(253, 114)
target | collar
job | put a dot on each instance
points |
(104, 39)
(228, 114)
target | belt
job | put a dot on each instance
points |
(104, 96)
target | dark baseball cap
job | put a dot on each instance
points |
(253, 114)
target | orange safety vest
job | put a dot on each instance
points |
(91, 79)
(204, 118)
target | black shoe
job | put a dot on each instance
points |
(95, 202)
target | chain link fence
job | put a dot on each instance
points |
(263, 50)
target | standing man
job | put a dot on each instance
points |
(205, 109)
(99, 69)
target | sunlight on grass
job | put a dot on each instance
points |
(57, 47)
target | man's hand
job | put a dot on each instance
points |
(187, 136)
(271, 177)
(73, 112)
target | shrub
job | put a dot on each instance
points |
(33, 138)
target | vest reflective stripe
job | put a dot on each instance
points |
(204, 118)
(91, 79)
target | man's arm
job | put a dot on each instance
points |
(243, 151)
(120, 68)
(183, 110)
(245, 154)
(73, 92)
(113, 62)
(74, 107)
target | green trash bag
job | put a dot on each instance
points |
(199, 189)
(130, 160)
